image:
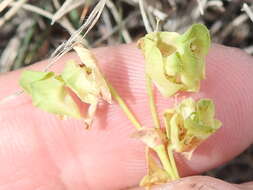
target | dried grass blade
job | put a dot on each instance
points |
(144, 17)
(117, 18)
(4, 4)
(46, 14)
(11, 12)
(248, 11)
(75, 37)
(67, 6)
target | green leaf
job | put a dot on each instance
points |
(195, 44)
(49, 93)
(198, 39)
(27, 77)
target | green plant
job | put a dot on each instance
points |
(174, 63)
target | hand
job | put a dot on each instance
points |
(39, 151)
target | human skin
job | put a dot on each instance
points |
(38, 151)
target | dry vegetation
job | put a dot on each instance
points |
(32, 30)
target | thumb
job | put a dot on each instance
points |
(201, 183)
(39, 150)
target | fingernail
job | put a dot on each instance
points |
(200, 183)
(169, 186)
(184, 185)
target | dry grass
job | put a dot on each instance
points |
(121, 21)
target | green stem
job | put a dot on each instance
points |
(173, 163)
(124, 107)
(161, 152)
(152, 102)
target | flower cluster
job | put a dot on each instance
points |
(175, 62)
(52, 92)
(189, 124)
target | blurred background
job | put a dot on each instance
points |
(27, 35)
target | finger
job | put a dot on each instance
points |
(42, 148)
(199, 183)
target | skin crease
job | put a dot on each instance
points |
(40, 152)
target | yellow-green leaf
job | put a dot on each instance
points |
(199, 38)
(49, 93)
(27, 77)
(81, 81)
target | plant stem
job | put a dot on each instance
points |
(173, 163)
(152, 102)
(144, 17)
(161, 152)
(124, 107)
